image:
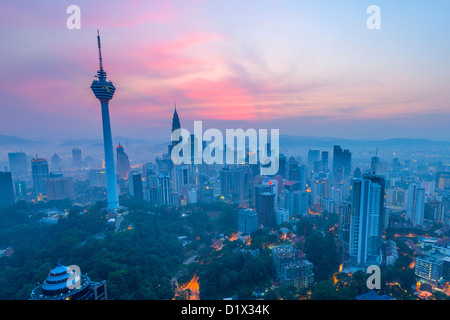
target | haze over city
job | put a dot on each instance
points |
(305, 67)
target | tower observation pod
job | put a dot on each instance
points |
(104, 91)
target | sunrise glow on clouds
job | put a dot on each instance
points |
(250, 63)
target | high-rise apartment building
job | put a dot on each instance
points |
(365, 235)
(415, 207)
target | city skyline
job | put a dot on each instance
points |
(332, 181)
(297, 66)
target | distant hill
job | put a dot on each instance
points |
(94, 142)
(321, 142)
(286, 141)
(14, 141)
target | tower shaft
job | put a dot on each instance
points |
(111, 182)
(104, 91)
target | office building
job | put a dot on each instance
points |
(97, 178)
(442, 180)
(60, 188)
(281, 215)
(6, 189)
(247, 221)
(164, 189)
(40, 174)
(135, 184)
(345, 211)
(265, 206)
(313, 157)
(192, 196)
(123, 163)
(434, 210)
(236, 184)
(396, 198)
(391, 254)
(18, 164)
(20, 188)
(56, 162)
(302, 201)
(282, 166)
(77, 159)
(342, 162)
(324, 161)
(298, 173)
(181, 177)
(429, 268)
(206, 193)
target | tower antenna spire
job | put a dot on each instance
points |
(99, 50)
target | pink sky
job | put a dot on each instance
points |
(262, 64)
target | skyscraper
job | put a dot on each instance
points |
(378, 179)
(123, 162)
(104, 91)
(265, 206)
(175, 125)
(164, 189)
(282, 165)
(136, 185)
(181, 180)
(6, 189)
(56, 162)
(313, 156)
(175, 120)
(20, 188)
(77, 160)
(39, 171)
(247, 221)
(415, 207)
(324, 161)
(365, 222)
(18, 164)
(342, 161)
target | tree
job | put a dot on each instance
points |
(322, 252)
(324, 290)
(407, 278)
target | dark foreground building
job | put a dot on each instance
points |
(63, 283)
